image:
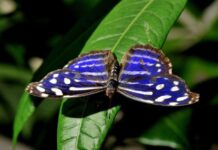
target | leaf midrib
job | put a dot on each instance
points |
(175, 129)
(130, 25)
(80, 125)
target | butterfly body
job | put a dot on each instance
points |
(113, 80)
(144, 75)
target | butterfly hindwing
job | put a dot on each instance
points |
(85, 75)
(153, 82)
(167, 90)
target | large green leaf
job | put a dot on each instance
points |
(81, 124)
(64, 50)
(28, 104)
(135, 22)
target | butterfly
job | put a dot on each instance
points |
(144, 75)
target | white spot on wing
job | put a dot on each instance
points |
(176, 82)
(55, 75)
(157, 65)
(149, 64)
(94, 73)
(67, 96)
(175, 88)
(190, 102)
(160, 86)
(90, 60)
(76, 80)
(138, 62)
(159, 70)
(136, 72)
(148, 101)
(173, 103)
(57, 91)
(126, 82)
(94, 81)
(84, 88)
(44, 95)
(92, 65)
(137, 91)
(40, 89)
(182, 98)
(150, 84)
(77, 66)
(53, 81)
(144, 56)
(162, 98)
(67, 81)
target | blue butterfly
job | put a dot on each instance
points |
(144, 75)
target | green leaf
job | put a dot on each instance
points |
(26, 108)
(66, 49)
(135, 22)
(170, 131)
(27, 104)
(130, 22)
(10, 72)
(197, 70)
(77, 129)
(7, 103)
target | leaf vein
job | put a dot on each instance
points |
(130, 25)
(119, 19)
(105, 38)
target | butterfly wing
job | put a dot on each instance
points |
(144, 61)
(94, 64)
(146, 77)
(85, 75)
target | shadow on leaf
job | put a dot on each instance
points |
(82, 107)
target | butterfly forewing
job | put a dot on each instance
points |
(153, 83)
(83, 76)
(92, 65)
(143, 61)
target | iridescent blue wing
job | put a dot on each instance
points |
(85, 75)
(146, 76)
(94, 64)
(65, 83)
(144, 61)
